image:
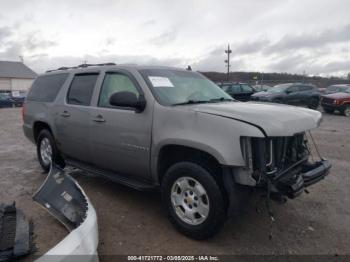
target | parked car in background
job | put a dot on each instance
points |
(17, 101)
(292, 94)
(239, 91)
(259, 88)
(336, 89)
(337, 102)
(8, 99)
(5, 100)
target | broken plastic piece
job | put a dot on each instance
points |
(62, 196)
(15, 238)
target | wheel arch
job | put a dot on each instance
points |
(170, 154)
(38, 126)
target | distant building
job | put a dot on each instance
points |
(15, 77)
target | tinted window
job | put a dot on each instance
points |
(113, 83)
(45, 88)
(246, 88)
(81, 89)
(236, 89)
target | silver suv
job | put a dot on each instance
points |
(168, 128)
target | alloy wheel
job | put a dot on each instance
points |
(190, 200)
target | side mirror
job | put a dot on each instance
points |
(288, 92)
(128, 99)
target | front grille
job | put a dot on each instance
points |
(276, 153)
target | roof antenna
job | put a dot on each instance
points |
(189, 68)
(21, 59)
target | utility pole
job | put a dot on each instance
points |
(227, 62)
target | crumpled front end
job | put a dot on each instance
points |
(62, 196)
(283, 163)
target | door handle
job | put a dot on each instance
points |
(65, 114)
(99, 119)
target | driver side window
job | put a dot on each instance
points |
(115, 82)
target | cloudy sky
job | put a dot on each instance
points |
(265, 35)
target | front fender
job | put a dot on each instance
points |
(215, 135)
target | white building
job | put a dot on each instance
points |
(15, 77)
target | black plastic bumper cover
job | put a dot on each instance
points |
(293, 182)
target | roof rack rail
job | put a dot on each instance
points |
(103, 64)
(79, 66)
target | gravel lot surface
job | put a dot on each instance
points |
(132, 222)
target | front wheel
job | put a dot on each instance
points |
(346, 110)
(193, 200)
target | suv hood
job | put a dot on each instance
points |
(274, 119)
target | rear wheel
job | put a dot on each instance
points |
(47, 151)
(193, 200)
(314, 103)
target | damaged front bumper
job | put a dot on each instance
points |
(292, 183)
(63, 198)
(280, 163)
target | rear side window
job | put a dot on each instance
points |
(81, 89)
(45, 88)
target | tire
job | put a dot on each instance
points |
(46, 143)
(207, 207)
(314, 103)
(328, 110)
(346, 110)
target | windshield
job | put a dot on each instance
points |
(332, 88)
(278, 88)
(344, 89)
(172, 87)
(4, 95)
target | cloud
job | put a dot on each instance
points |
(43, 62)
(250, 47)
(149, 22)
(4, 33)
(164, 38)
(13, 45)
(311, 40)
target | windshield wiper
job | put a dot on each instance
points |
(192, 102)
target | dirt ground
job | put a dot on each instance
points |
(132, 222)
